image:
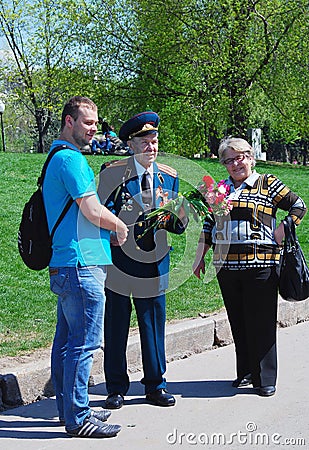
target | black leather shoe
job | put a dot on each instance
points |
(267, 391)
(161, 398)
(241, 382)
(114, 401)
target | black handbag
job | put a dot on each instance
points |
(294, 272)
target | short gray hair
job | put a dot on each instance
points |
(238, 145)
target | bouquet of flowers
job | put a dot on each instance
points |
(208, 199)
(215, 195)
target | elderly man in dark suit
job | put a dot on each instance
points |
(131, 188)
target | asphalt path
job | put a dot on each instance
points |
(209, 412)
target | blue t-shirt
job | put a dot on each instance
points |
(76, 241)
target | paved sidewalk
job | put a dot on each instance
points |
(26, 379)
(207, 408)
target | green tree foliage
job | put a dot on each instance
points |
(209, 68)
(284, 82)
(41, 67)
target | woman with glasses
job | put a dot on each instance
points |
(246, 247)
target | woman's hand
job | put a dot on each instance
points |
(198, 266)
(199, 263)
(279, 234)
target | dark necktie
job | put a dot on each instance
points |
(146, 190)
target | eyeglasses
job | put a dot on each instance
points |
(238, 158)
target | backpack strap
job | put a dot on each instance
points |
(40, 183)
(49, 157)
(64, 211)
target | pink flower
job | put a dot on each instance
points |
(215, 195)
(209, 198)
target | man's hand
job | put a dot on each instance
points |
(121, 234)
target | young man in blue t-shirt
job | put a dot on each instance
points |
(77, 269)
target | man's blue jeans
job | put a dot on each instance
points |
(78, 334)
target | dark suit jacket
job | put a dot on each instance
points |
(119, 190)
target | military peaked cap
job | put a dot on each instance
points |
(139, 125)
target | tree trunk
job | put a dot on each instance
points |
(39, 119)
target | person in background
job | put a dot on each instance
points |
(77, 270)
(111, 131)
(97, 147)
(108, 129)
(246, 257)
(130, 188)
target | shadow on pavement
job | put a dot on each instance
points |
(45, 410)
(186, 389)
(18, 429)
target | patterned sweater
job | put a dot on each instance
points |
(245, 238)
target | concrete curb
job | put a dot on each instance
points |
(30, 381)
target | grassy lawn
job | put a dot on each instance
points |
(28, 308)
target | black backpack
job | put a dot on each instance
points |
(34, 239)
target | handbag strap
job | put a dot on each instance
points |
(40, 183)
(290, 241)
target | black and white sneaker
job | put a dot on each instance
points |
(102, 415)
(94, 428)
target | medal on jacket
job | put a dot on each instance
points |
(161, 179)
(123, 196)
(129, 205)
(126, 200)
(123, 202)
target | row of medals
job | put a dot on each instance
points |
(127, 205)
